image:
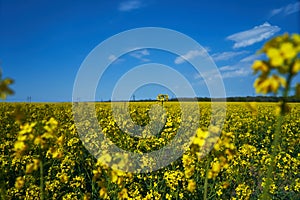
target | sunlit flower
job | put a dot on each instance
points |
(103, 193)
(296, 67)
(260, 65)
(191, 185)
(275, 57)
(123, 194)
(287, 50)
(20, 146)
(19, 182)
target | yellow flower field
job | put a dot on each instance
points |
(42, 156)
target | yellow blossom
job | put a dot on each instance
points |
(287, 50)
(27, 128)
(271, 84)
(191, 185)
(60, 140)
(20, 146)
(275, 57)
(33, 166)
(123, 194)
(260, 65)
(19, 182)
(114, 176)
(38, 140)
(296, 38)
(296, 67)
(103, 193)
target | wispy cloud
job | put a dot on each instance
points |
(238, 72)
(286, 10)
(226, 68)
(140, 54)
(251, 58)
(189, 56)
(227, 55)
(112, 58)
(130, 5)
(234, 71)
(115, 59)
(254, 35)
(240, 69)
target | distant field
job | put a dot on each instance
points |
(41, 154)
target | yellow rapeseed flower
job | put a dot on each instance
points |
(33, 166)
(103, 193)
(64, 178)
(191, 185)
(114, 176)
(273, 53)
(271, 84)
(123, 194)
(275, 57)
(19, 182)
(296, 38)
(287, 50)
(60, 140)
(296, 67)
(277, 61)
(26, 128)
(52, 122)
(260, 65)
(38, 140)
(20, 146)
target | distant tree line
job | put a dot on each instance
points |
(240, 99)
(227, 99)
(232, 99)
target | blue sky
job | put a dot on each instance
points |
(43, 43)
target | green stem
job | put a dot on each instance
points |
(2, 192)
(206, 179)
(286, 93)
(42, 178)
(276, 142)
(274, 149)
(2, 187)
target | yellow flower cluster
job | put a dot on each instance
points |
(24, 135)
(243, 191)
(225, 149)
(283, 58)
(173, 178)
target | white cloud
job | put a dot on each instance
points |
(130, 5)
(238, 72)
(286, 10)
(209, 75)
(240, 69)
(115, 59)
(254, 35)
(227, 55)
(251, 58)
(275, 12)
(189, 56)
(112, 58)
(140, 54)
(226, 72)
(226, 68)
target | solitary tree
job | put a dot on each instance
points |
(162, 98)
